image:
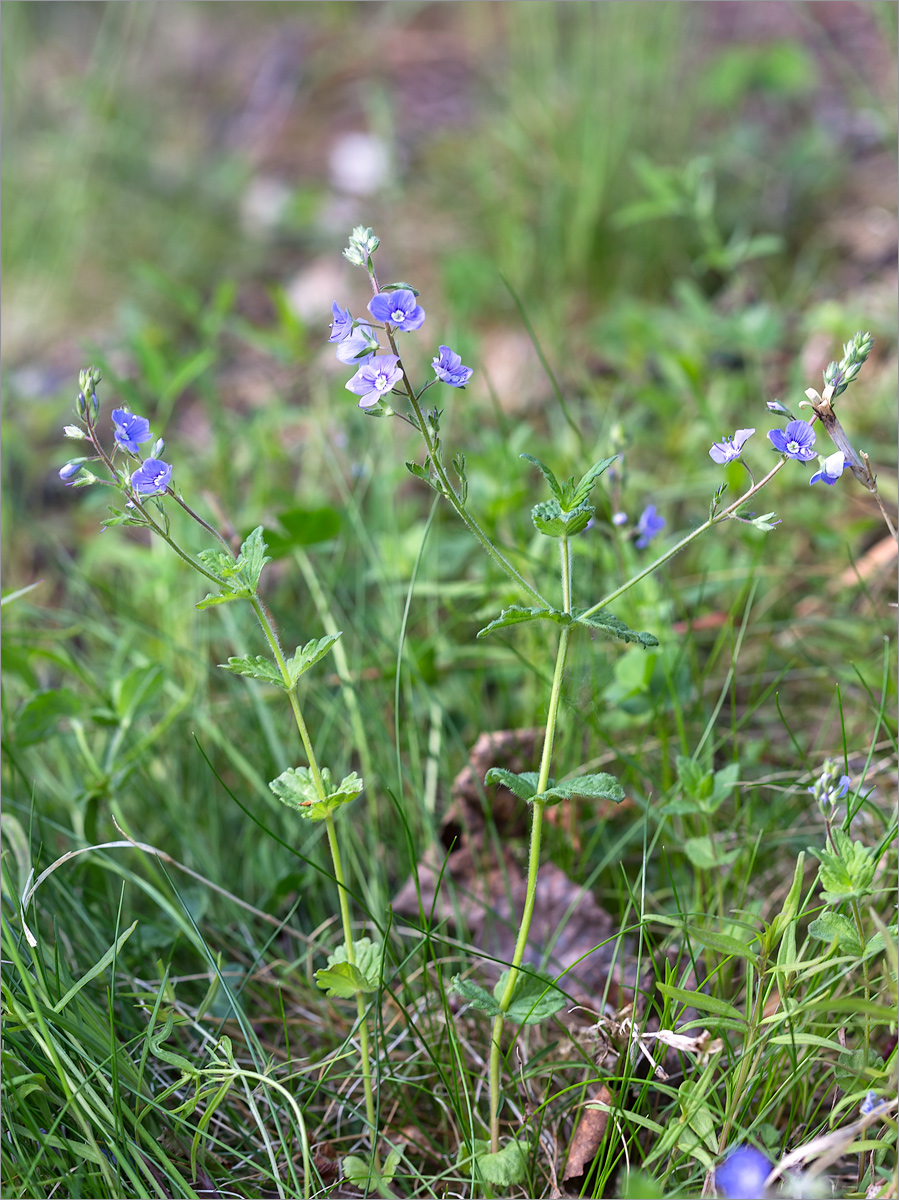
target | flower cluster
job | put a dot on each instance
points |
(830, 786)
(796, 441)
(839, 375)
(397, 310)
(129, 431)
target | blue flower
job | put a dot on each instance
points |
(727, 450)
(69, 471)
(342, 323)
(827, 789)
(374, 378)
(398, 308)
(649, 525)
(742, 1175)
(872, 1103)
(448, 368)
(130, 430)
(358, 347)
(619, 518)
(151, 477)
(831, 469)
(795, 441)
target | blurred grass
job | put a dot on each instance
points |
(113, 158)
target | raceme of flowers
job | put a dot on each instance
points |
(796, 441)
(130, 431)
(357, 346)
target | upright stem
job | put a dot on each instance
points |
(537, 807)
(364, 1047)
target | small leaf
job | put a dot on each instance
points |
(593, 787)
(307, 656)
(536, 997)
(610, 624)
(256, 667)
(547, 475)
(224, 598)
(723, 943)
(552, 520)
(585, 486)
(399, 287)
(524, 785)
(343, 980)
(296, 788)
(252, 559)
(834, 927)
(701, 1001)
(507, 1167)
(368, 959)
(517, 614)
(476, 996)
(38, 717)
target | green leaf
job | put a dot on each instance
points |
(296, 788)
(592, 787)
(834, 927)
(223, 598)
(303, 527)
(38, 717)
(585, 486)
(524, 785)
(723, 943)
(848, 874)
(476, 996)
(505, 1168)
(368, 959)
(252, 559)
(699, 1000)
(398, 287)
(536, 997)
(256, 667)
(420, 473)
(517, 614)
(307, 656)
(547, 475)
(552, 520)
(610, 624)
(790, 910)
(705, 854)
(343, 980)
(856, 1069)
(362, 1174)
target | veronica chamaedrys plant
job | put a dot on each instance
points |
(144, 486)
(381, 382)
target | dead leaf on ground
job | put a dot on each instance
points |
(588, 1136)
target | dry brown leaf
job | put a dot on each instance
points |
(587, 1139)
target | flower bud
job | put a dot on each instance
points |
(73, 432)
(363, 244)
(158, 448)
(81, 404)
(70, 470)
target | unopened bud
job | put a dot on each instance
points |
(158, 448)
(85, 479)
(775, 406)
(73, 432)
(70, 470)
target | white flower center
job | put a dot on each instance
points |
(793, 446)
(397, 316)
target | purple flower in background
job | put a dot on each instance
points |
(374, 378)
(728, 449)
(795, 441)
(398, 309)
(619, 518)
(358, 347)
(742, 1175)
(151, 477)
(831, 470)
(130, 430)
(649, 525)
(342, 323)
(448, 368)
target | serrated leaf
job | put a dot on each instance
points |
(476, 996)
(517, 614)
(307, 656)
(705, 854)
(368, 959)
(343, 980)
(547, 475)
(592, 787)
(256, 667)
(616, 628)
(834, 927)
(552, 520)
(252, 559)
(536, 997)
(224, 598)
(296, 788)
(362, 1174)
(848, 874)
(701, 1001)
(419, 472)
(219, 562)
(584, 488)
(523, 785)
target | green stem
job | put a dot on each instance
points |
(746, 1059)
(538, 807)
(716, 520)
(450, 492)
(342, 891)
